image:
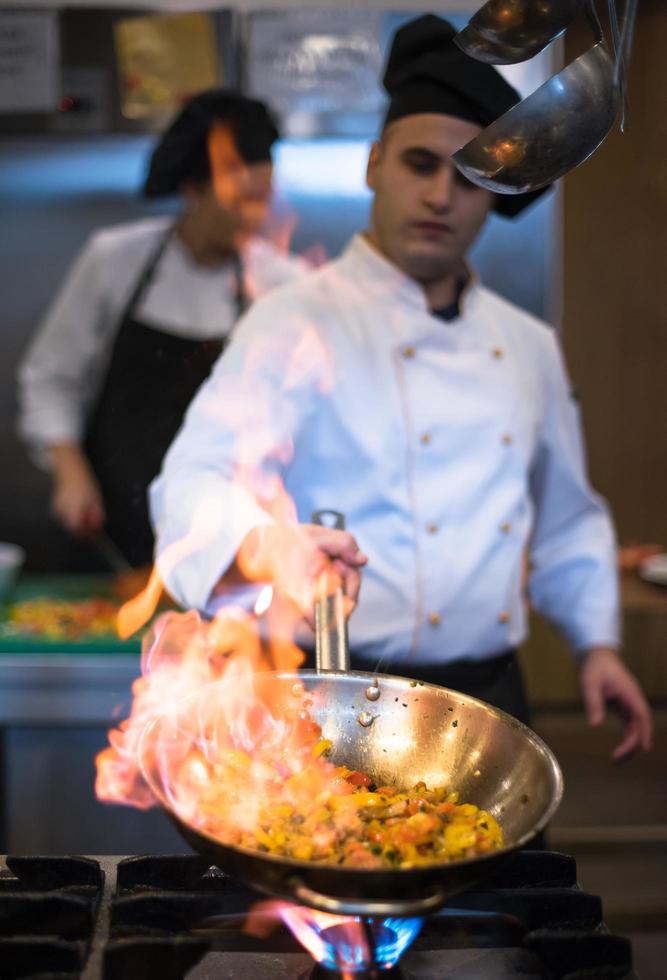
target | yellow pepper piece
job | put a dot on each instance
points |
(303, 851)
(263, 838)
(357, 800)
(321, 747)
(466, 810)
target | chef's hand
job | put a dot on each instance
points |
(604, 679)
(302, 560)
(76, 500)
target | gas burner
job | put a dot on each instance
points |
(322, 973)
(351, 945)
(173, 918)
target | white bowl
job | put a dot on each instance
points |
(12, 557)
(654, 569)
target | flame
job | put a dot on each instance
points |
(137, 611)
(211, 734)
(216, 736)
(264, 600)
(228, 170)
(250, 417)
(200, 680)
(343, 943)
(281, 226)
(279, 229)
(231, 179)
(308, 925)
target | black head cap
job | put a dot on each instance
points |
(182, 152)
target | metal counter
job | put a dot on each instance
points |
(62, 689)
(55, 712)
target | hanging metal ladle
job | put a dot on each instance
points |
(560, 125)
(505, 32)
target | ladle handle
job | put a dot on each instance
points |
(623, 38)
(594, 20)
(618, 44)
(332, 650)
(401, 908)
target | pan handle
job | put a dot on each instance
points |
(349, 906)
(332, 651)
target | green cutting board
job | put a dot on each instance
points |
(69, 588)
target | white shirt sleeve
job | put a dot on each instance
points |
(574, 581)
(222, 476)
(59, 375)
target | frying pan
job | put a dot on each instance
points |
(399, 732)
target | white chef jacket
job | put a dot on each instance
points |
(63, 369)
(451, 447)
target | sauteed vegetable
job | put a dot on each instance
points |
(333, 815)
(375, 828)
(56, 619)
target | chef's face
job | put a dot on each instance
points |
(230, 213)
(425, 214)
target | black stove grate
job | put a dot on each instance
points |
(48, 912)
(173, 873)
(165, 918)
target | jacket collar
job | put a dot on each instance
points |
(385, 281)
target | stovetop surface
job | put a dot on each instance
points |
(174, 918)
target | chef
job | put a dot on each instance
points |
(393, 386)
(144, 313)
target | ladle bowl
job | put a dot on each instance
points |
(506, 32)
(550, 132)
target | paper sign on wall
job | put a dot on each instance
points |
(316, 61)
(28, 61)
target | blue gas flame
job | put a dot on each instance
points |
(389, 938)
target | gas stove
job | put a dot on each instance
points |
(174, 917)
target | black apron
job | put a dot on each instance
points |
(496, 680)
(151, 380)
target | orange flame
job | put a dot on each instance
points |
(306, 925)
(221, 738)
(247, 411)
(200, 680)
(136, 612)
(280, 228)
(228, 169)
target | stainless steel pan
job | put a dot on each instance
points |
(399, 732)
(419, 732)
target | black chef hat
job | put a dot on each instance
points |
(427, 72)
(182, 153)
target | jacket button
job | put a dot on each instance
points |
(504, 617)
(506, 439)
(432, 529)
(408, 353)
(434, 619)
(497, 352)
(425, 438)
(506, 527)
